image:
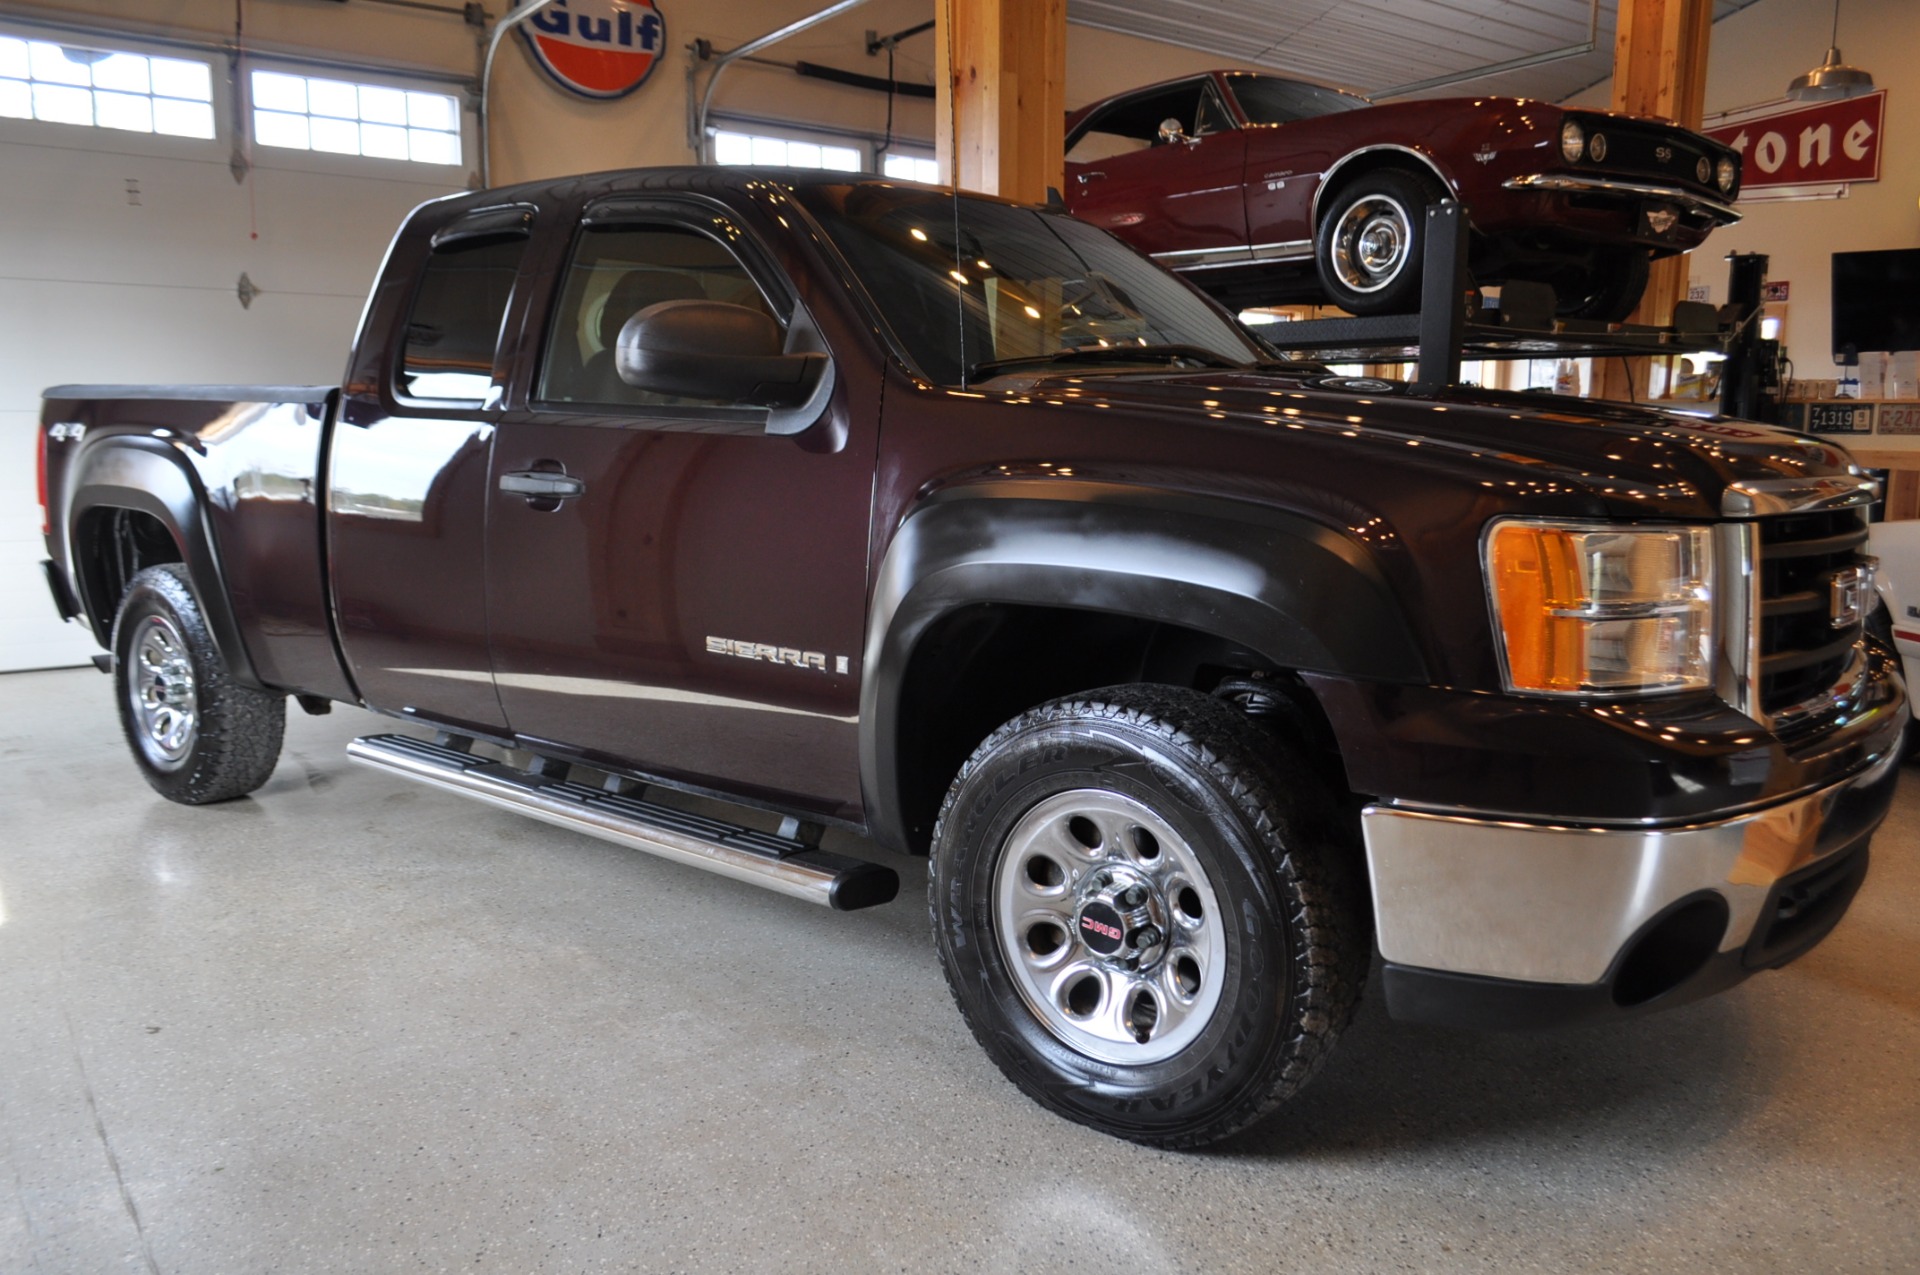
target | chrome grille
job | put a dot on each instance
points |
(1802, 657)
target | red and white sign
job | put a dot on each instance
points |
(597, 48)
(1827, 142)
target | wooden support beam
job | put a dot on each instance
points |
(1659, 68)
(1001, 95)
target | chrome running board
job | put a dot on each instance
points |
(777, 863)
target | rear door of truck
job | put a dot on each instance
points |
(408, 476)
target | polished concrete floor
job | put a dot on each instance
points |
(350, 1025)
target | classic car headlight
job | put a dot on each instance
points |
(1573, 141)
(1588, 609)
(1724, 173)
(1702, 169)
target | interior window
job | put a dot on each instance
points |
(455, 323)
(1134, 124)
(616, 272)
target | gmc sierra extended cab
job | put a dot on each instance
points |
(1207, 681)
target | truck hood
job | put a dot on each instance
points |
(1602, 459)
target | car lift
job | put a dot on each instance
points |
(1451, 324)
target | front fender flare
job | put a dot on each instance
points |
(1295, 591)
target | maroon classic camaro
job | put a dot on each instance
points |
(1243, 181)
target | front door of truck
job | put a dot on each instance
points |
(407, 477)
(670, 588)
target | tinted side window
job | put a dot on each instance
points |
(1134, 124)
(456, 318)
(1268, 100)
(616, 272)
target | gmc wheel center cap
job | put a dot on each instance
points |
(1102, 928)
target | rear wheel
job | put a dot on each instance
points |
(1145, 913)
(1372, 240)
(196, 734)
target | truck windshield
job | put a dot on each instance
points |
(974, 292)
(1268, 99)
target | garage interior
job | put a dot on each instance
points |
(347, 1024)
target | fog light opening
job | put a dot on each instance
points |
(1671, 950)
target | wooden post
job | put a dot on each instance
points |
(1659, 68)
(1001, 95)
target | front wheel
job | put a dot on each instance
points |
(1372, 241)
(197, 735)
(1146, 913)
(1610, 290)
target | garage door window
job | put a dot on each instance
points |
(312, 113)
(105, 88)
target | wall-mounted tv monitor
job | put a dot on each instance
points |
(1876, 300)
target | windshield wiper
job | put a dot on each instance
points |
(1197, 355)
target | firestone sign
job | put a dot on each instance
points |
(597, 48)
(1826, 143)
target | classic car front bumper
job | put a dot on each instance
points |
(1721, 213)
(1498, 922)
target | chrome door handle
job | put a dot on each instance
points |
(1084, 178)
(541, 484)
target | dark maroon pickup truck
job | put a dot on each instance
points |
(1206, 681)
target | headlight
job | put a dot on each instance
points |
(1724, 174)
(1585, 610)
(1573, 141)
(1702, 170)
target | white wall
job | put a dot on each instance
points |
(1752, 55)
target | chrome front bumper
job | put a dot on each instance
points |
(1720, 212)
(1558, 904)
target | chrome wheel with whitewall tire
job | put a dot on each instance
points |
(1371, 241)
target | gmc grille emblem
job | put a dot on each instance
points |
(1848, 596)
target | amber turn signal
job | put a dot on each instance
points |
(1583, 609)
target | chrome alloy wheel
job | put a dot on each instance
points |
(1372, 242)
(1109, 926)
(161, 687)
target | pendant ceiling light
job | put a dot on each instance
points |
(1832, 79)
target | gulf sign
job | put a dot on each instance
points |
(597, 48)
(1808, 145)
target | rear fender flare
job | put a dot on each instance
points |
(151, 476)
(1297, 592)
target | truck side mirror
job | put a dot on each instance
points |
(713, 350)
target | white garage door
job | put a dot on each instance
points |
(121, 248)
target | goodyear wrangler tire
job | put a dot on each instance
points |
(1146, 913)
(196, 734)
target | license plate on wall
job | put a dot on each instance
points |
(1898, 418)
(1847, 416)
